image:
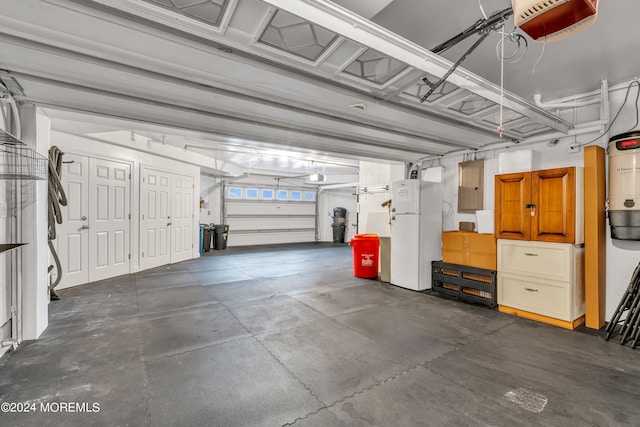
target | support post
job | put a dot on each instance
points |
(595, 236)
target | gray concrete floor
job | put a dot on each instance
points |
(287, 336)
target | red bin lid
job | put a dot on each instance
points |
(366, 238)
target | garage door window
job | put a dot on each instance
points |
(267, 194)
(235, 193)
(252, 193)
(296, 195)
(283, 194)
(309, 196)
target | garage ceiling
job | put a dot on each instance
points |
(309, 76)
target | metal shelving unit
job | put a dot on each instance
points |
(18, 161)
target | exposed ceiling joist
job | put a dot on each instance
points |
(352, 26)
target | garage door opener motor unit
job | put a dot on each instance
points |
(624, 186)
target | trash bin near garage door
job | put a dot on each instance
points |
(366, 249)
(339, 224)
(221, 233)
(206, 233)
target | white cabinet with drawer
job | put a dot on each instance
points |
(542, 281)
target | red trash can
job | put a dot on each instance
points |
(365, 255)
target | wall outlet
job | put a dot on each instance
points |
(574, 148)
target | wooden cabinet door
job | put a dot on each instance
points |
(512, 217)
(554, 198)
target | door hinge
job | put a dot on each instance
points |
(129, 216)
(142, 254)
(142, 216)
(129, 256)
(129, 176)
(143, 179)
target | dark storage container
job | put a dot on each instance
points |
(338, 232)
(221, 233)
(206, 234)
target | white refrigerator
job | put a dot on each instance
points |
(416, 232)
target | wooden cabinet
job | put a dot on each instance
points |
(469, 248)
(542, 281)
(543, 205)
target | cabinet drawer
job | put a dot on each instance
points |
(545, 260)
(542, 297)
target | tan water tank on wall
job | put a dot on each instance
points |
(624, 186)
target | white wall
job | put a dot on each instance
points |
(90, 147)
(211, 193)
(376, 174)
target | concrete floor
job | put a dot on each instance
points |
(287, 336)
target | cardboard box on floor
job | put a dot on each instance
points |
(470, 249)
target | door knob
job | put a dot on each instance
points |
(168, 224)
(84, 218)
(84, 227)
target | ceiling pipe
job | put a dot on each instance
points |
(604, 87)
(537, 98)
(591, 127)
(597, 126)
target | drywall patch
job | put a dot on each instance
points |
(527, 399)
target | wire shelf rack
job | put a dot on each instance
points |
(7, 138)
(21, 162)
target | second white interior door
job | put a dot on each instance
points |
(109, 202)
(167, 222)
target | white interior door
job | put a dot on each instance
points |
(109, 202)
(155, 208)
(182, 218)
(72, 242)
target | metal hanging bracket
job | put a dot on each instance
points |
(483, 27)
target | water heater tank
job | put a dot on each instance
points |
(624, 186)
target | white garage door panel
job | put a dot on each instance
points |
(271, 238)
(266, 208)
(259, 222)
(270, 223)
